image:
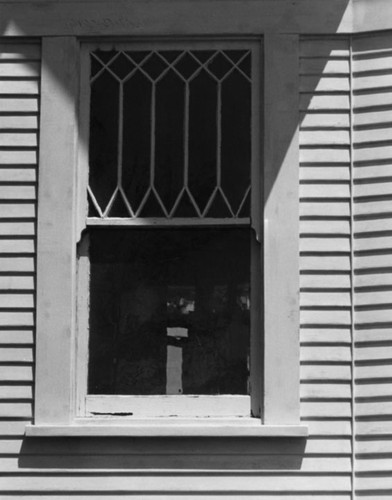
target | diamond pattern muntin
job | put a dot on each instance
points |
(96, 65)
(189, 121)
(220, 66)
(121, 66)
(154, 66)
(187, 65)
(245, 65)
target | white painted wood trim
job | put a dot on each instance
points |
(256, 286)
(242, 17)
(160, 221)
(281, 230)
(59, 232)
(184, 405)
(167, 406)
(165, 17)
(221, 429)
(56, 239)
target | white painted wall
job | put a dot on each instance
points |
(345, 112)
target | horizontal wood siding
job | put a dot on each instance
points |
(320, 467)
(372, 141)
(325, 247)
(19, 106)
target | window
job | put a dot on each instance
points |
(133, 267)
(167, 249)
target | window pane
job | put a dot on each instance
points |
(203, 138)
(169, 138)
(136, 138)
(170, 130)
(236, 138)
(169, 311)
(103, 148)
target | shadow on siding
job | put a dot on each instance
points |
(181, 453)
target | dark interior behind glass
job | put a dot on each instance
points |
(169, 311)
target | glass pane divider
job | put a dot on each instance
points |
(170, 66)
(143, 202)
(127, 204)
(236, 66)
(162, 221)
(202, 64)
(177, 202)
(110, 204)
(104, 66)
(243, 201)
(94, 201)
(210, 202)
(226, 200)
(193, 202)
(160, 201)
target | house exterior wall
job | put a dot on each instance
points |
(372, 203)
(344, 106)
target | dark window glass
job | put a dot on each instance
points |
(236, 138)
(170, 130)
(136, 138)
(103, 151)
(169, 311)
(203, 138)
(169, 138)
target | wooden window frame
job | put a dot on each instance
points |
(187, 406)
(61, 220)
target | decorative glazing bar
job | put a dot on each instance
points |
(170, 135)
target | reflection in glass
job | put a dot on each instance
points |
(169, 311)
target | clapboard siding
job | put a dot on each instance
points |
(19, 104)
(339, 147)
(76, 495)
(325, 249)
(321, 469)
(372, 120)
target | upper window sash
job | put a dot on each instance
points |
(229, 66)
(170, 133)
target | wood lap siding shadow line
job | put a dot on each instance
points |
(276, 454)
(150, 453)
(111, 453)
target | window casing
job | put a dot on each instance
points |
(62, 209)
(171, 155)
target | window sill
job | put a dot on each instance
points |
(214, 429)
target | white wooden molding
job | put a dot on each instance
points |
(58, 235)
(165, 406)
(147, 430)
(281, 230)
(56, 248)
(165, 17)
